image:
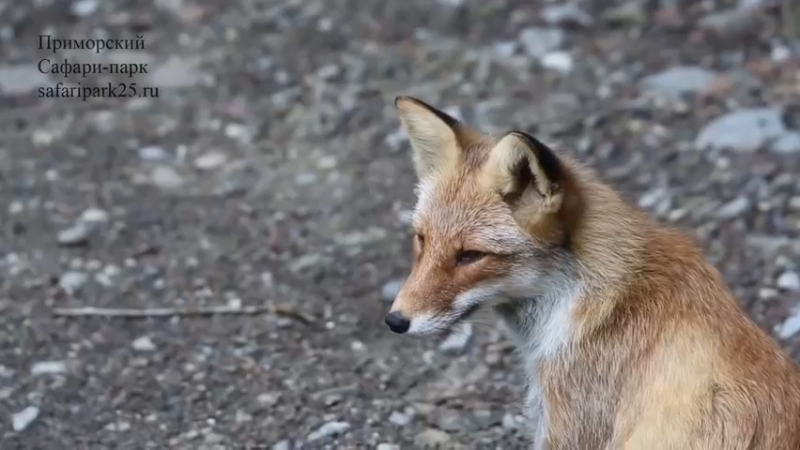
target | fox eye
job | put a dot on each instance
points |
(466, 257)
(420, 240)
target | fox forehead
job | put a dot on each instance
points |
(456, 209)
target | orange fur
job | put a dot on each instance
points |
(629, 338)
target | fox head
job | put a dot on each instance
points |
(493, 221)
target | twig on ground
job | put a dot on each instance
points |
(134, 313)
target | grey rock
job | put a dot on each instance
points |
(743, 130)
(48, 368)
(558, 61)
(20, 79)
(152, 153)
(282, 445)
(399, 418)
(789, 281)
(23, 419)
(510, 422)
(72, 282)
(177, 72)
(734, 208)
(786, 143)
(390, 290)
(84, 8)
(143, 344)
(569, 14)
(678, 81)
(538, 41)
(790, 326)
(165, 177)
(630, 12)
(729, 23)
(328, 429)
(387, 446)
(459, 340)
(210, 161)
(370, 235)
(431, 437)
(505, 49)
(77, 234)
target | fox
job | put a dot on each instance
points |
(627, 336)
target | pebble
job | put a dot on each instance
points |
(48, 368)
(210, 161)
(166, 177)
(77, 234)
(143, 344)
(459, 340)
(789, 281)
(399, 419)
(431, 437)
(328, 429)
(390, 290)
(559, 61)
(679, 80)
(282, 445)
(787, 143)
(177, 72)
(20, 79)
(505, 49)
(566, 14)
(790, 326)
(734, 208)
(84, 8)
(242, 417)
(94, 216)
(729, 23)
(71, 282)
(386, 446)
(631, 12)
(23, 419)
(510, 422)
(743, 130)
(538, 41)
(152, 153)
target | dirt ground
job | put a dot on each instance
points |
(269, 172)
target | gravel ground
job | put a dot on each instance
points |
(269, 172)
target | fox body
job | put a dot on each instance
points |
(628, 337)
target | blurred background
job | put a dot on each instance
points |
(258, 167)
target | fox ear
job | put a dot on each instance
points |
(519, 163)
(433, 134)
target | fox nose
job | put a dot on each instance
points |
(397, 322)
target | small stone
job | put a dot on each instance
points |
(368, 236)
(789, 281)
(559, 61)
(538, 41)
(210, 161)
(268, 398)
(399, 419)
(282, 445)
(787, 143)
(328, 429)
(678, 81)
(358, 346)
(23, 419)
(450, 420)
(166, 177)
(631, 12)
(510, 422)
(84, 8)
(390, 290)
(790, 326)
(242, 417)
(143, 344)
(742, 130)
(505, 49)
(176, 72)
(734, 208)
(77, 234)
(16, 207)
(431, 437)
(386, 446)
(730, 23)
(459, 340)
(48, 368)
(71, 282)
(566, 14)
(94, 216)
(152, 153)
(20, 79)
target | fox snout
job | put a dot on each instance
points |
(397, 322)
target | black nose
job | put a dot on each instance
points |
(397, 323)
